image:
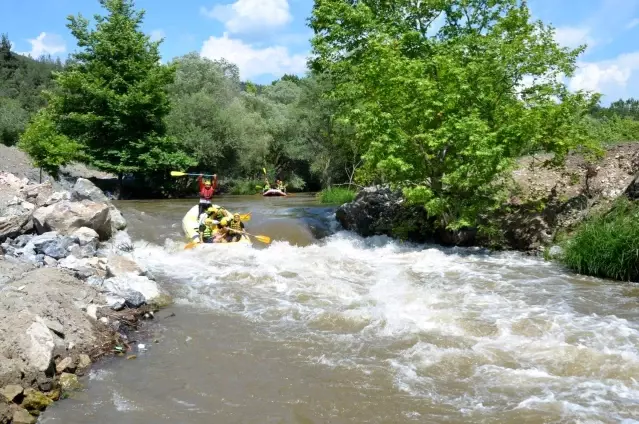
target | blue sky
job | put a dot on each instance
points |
(267, 38)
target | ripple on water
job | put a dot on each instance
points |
(487, 335)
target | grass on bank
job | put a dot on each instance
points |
(336, 195)
(607, 245)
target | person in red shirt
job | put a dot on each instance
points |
(207, 190)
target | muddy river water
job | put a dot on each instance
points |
(325, 327)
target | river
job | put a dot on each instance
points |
(325, 327)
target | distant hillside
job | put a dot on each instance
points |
(22, 80)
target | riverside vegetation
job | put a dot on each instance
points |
(442, 108)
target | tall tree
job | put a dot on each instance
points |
(444, 95)
(112, 97)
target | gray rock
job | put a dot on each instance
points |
(95, 281)
(632, 191)
(21, 240)
(66, 365)
(87, 251)
(22, 416)
(56, 197)
(118, 222)
(84, 363)
(122, 286)
(49, 261)
(39, 345)
(86, 190)
(134, 299)
(115, 302)
(54, 326)
(14, 221)
(11, 392)
(86, 236)
(66, 217)
(69, 382)
(82, 268)
(119, 266)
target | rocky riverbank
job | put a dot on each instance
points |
(544, 202)
(69, 290)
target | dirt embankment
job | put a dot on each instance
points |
(69, 289)
(544, 201)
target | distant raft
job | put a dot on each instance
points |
(274, 192)
(190, 226)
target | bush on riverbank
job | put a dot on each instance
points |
(245, 186)
(336, 195)
(607, 245)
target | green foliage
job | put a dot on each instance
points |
(48, 148)
(112, 96)
(444, 112)
(13, 120)
(336, 195)
(245, 186)
(607, 245)
(22, 80)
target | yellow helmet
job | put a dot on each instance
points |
(224, 222)
(236, 215)
(207, 182)
(208, 221)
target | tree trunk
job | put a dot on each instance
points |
(120, 185)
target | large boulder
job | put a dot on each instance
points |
(379, 210)
(632, 191)
(38, 346)
(121, 266)
(66, 217)
(125, 286)
(16, 220)
(84, 189)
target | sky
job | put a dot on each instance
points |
(268, 38)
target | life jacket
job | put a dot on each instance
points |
(207, 193)
(207, 232)
(236, 225)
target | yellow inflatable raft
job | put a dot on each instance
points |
(190, 227)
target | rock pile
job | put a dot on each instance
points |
(65, 269)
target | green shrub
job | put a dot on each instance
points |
(245, 186)
(607, 245)
(336, 195)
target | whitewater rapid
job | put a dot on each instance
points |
(494, 337)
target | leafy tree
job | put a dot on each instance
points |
(444, 111)
(112, 97)
(201, 95)
(48, 149)
(13, 119)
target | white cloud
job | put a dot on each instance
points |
(610, 77)
(250, 15)
(253, 61)
(45, 44)
(632, 23)
(574, 36)
(157, 35)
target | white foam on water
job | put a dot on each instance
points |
(482, 332)
(122, 404)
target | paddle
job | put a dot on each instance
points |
(182, 174)
(263, 239)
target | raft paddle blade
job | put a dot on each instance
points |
(190, 245)
(246, 217)
(177, 174)
(263, 239)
